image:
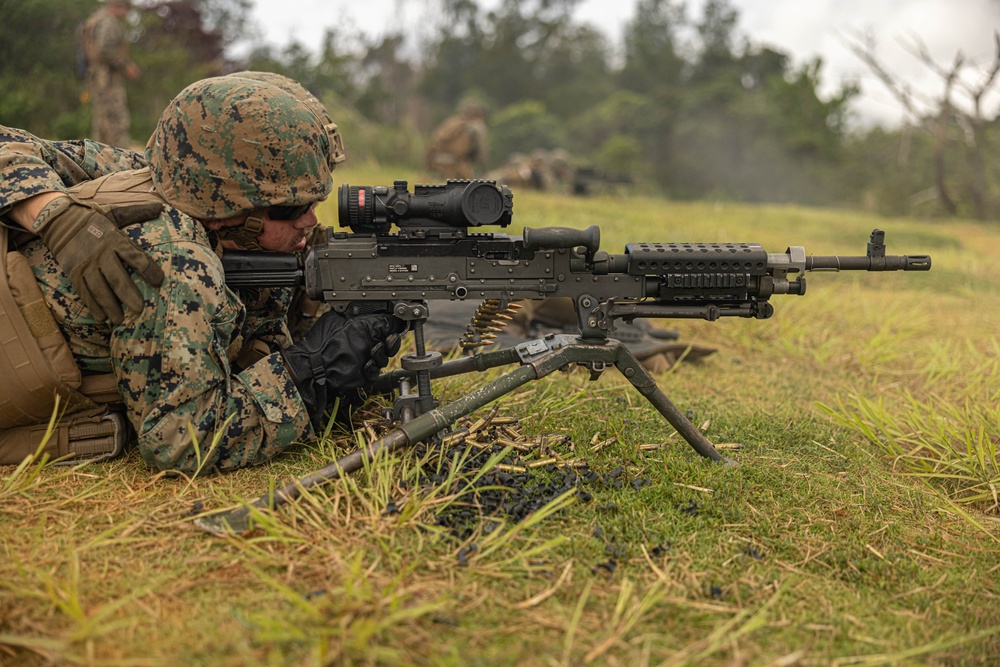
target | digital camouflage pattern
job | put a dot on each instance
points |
(228, 145)
(296, 90)
(173, 360)
(30, 165)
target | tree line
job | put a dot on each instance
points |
(689, 105)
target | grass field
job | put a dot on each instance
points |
(861, 526)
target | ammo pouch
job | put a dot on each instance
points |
(84, 439)
(36, 366)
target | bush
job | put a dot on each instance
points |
(522, 128)
(621, 153)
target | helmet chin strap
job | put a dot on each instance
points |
(245, 235)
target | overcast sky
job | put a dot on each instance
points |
(803, 28)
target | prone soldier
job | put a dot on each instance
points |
(206, 378)
(544, 170)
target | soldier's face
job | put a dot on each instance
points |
(287, 235)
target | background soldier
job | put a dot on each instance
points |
(105, 47)
(459, 145)
(545, 170)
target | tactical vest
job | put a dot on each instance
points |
(36, 364)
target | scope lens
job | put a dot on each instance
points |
(354, 206)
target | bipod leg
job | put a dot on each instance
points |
(643, 381)
(420, 428)
(539, 358)
(484, 361)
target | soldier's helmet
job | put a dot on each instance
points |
(230, 144)
(561, 162)
(298, 91)
(472, 108)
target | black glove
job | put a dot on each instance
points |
(339, 356)
(87, 243)
(355, 398)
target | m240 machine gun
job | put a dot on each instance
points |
(405, 250)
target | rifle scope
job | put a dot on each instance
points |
(433, 210)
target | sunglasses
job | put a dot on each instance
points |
(289, 212)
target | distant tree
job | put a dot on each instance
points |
(451, 62)
(956, 119)
(522, 50)
(747, 125)
(177, 44)
(331, 70)
(810, 126)
(38, 63)
(718, 36)
(620, 133)
(573, 72)
(388, 80)
(652, 46)
(523, 127)
(229, 19)
(655, 70)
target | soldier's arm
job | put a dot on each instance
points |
(30, 166)
(268, 315)
(174, 371)
(34, 174)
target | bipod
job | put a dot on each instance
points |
(538, 358)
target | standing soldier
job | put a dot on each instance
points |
(458, 145)
(105, 47)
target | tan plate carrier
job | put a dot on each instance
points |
(36, 366)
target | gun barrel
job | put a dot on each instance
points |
(868, 263)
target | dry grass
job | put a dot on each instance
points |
(860, 528)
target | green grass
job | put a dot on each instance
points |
(861, 527)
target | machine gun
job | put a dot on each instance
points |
(585, 179)
(433, 255)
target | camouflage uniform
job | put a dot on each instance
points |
(459, 144)
(517, 173)
(105, 45)
(30, 166)
(174, 360)
(542, 170)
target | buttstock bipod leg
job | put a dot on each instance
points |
(538, 358)
(239, 521)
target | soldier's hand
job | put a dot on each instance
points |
(341, 355)
(94, 253)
